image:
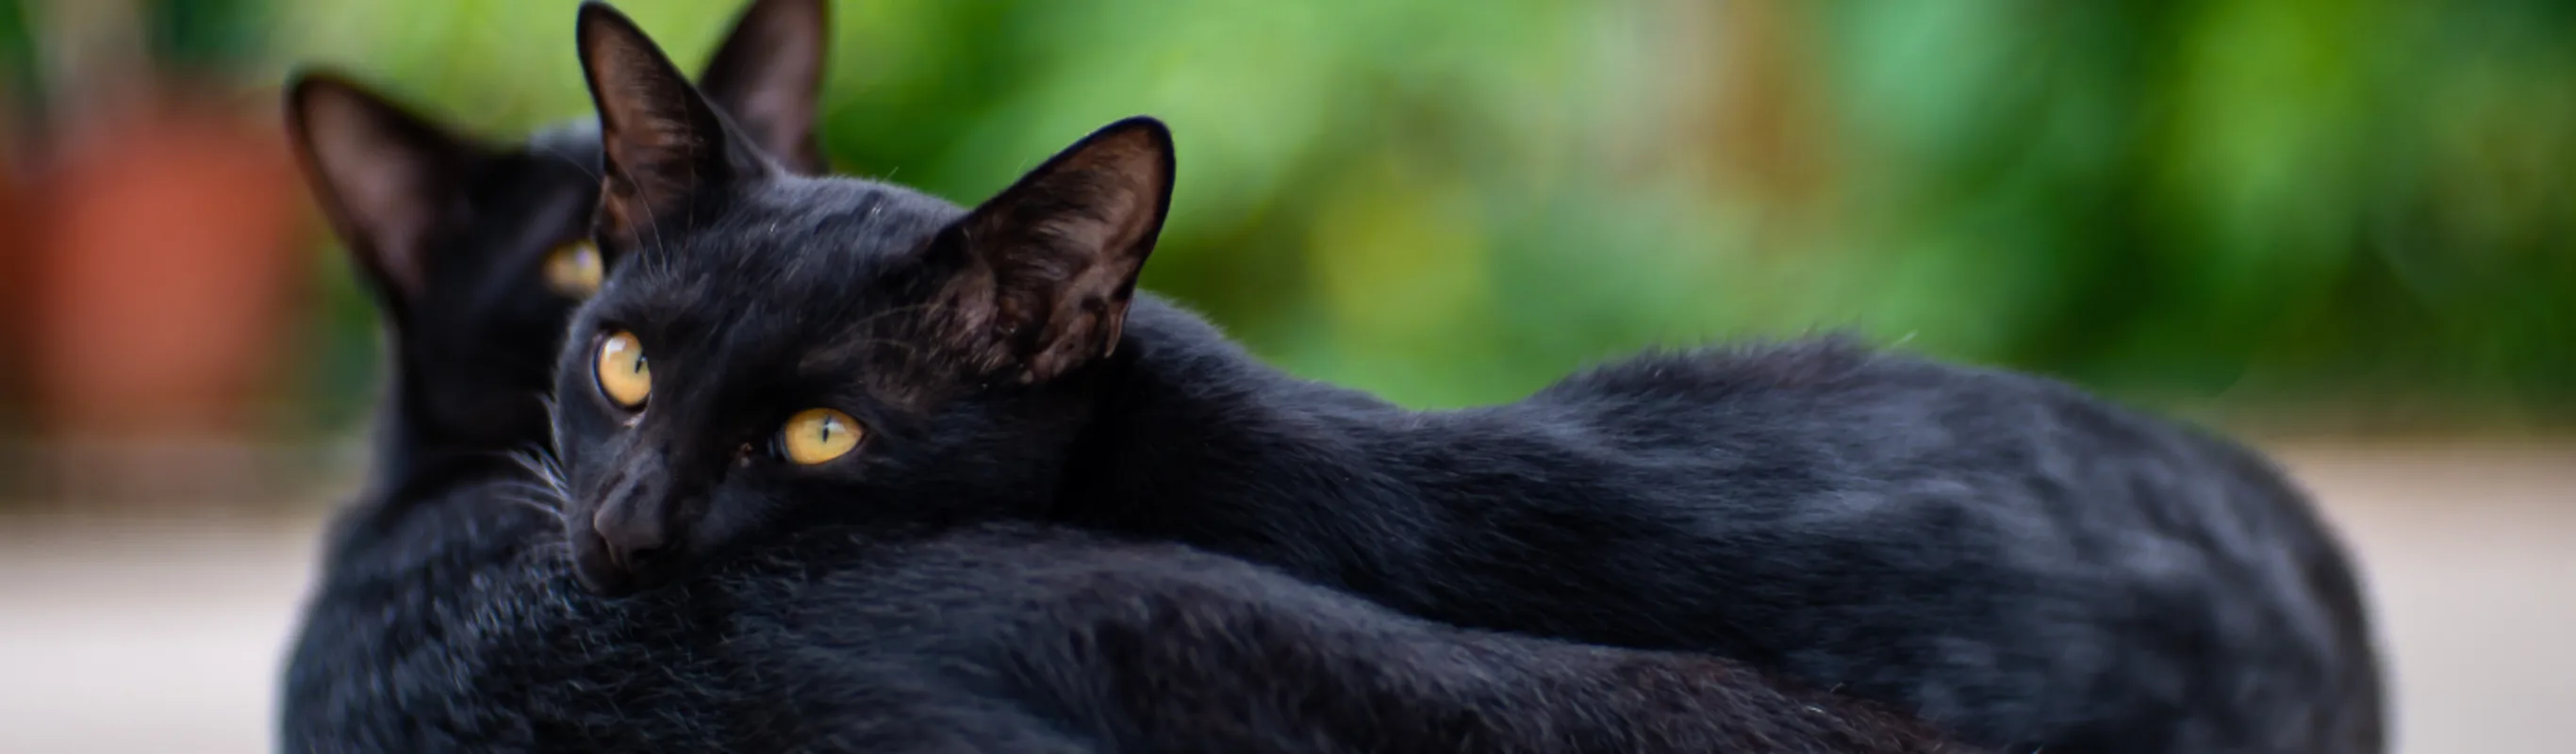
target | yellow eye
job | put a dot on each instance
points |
(816, 435)
(622, 373)
(574, 269)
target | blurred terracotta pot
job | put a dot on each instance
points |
(163, 285)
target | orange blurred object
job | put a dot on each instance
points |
(164, 279)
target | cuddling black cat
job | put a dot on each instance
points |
(476, 254)
(445, 619)
(2016, 560)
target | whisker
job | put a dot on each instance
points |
(585, 169)
(531, 504)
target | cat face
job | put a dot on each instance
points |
(477, 253)
(771, 350)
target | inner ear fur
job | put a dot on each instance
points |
(1043, 272)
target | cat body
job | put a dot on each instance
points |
(2015, 560)
(450, 623)
(446, 617)
(1999, 552)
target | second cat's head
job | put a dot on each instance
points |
(771, 350)
(476, 253)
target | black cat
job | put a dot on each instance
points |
(453, 625)
(446, 618)
(2007, 555)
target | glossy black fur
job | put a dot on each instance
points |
(446, 618)
(2015, 559)
(451, 623)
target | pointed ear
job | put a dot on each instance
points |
(663, 149)
(768, 75)
(1042, 273)
(386, 178)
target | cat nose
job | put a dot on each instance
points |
(633, 535)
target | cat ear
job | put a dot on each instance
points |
(386, 178)
(768, 75)
(663, 148)
(1044, 271)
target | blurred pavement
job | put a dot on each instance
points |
(164, 635)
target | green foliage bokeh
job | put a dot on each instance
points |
(2354, 204)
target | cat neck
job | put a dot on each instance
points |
(415, 457)
(1194, 438)
(429, 502)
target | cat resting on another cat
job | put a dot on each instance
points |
(446, 619)
(2015, 559)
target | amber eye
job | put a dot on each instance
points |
(621, 370)
(574, 269)
(816, 435)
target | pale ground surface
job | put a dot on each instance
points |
(125, 638)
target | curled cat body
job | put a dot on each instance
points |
(446, 617)
(2016, 560)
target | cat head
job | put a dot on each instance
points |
(771, 350)
(476, 253)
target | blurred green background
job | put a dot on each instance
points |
(2319, 222)
(2342, 215)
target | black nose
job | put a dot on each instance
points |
(633, 535)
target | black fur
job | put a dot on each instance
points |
(446, 619)
(2013, 558)
(450, 623)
